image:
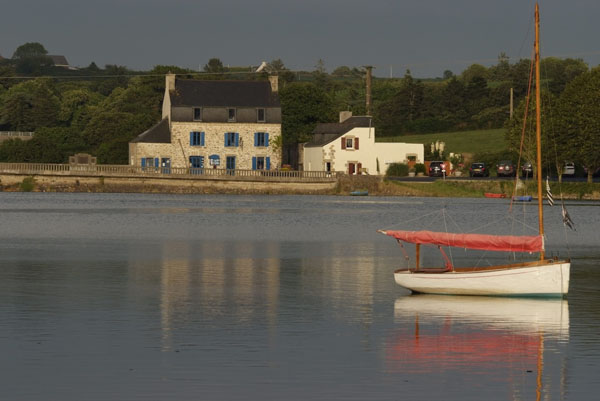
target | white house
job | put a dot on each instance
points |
(349, 146)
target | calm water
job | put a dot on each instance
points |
(151, 297)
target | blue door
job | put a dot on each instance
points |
(230, 164)
(165, 164)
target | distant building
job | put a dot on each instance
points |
(213, 124)
(349, 146)
(61, 61)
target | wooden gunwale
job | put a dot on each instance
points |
(483, 268)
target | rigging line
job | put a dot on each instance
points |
(411, 220)
(552, 134)
(527, 100)
(446, 229)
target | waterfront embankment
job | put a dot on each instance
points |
(341, 185)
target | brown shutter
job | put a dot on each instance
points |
(350, 168)
(343, 143)
(359, 165)
(356, 143)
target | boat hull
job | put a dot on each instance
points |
(546, 278)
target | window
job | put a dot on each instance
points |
(197, 114)
(196, 164)
(230, 115)
(232, 139)
(261, 163)
(260, 115)
(148, 163)
(349, 143)
(196, 138)
(261, 139)
(196, 161)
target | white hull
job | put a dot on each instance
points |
(545, 278)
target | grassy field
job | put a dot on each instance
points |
(479, 141)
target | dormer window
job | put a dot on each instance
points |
(231, 115)
(197, 114)
(260, 115)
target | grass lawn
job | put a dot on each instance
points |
(491, 140)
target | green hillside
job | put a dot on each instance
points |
(478, 141)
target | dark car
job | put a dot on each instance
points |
(506, 168)
(527, 170)
(437, 169)
(479, 170)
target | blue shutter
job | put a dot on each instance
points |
(202, 157)
(256, 139)
(266, 139)
(143, 162)
(254, 163)
(237, 139)
(191, 139)
(156, 163)
(226, 139)
(268, 167)
(202, 139)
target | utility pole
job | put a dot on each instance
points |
(511, 103)
(368, 94)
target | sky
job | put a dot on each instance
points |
(426, 37)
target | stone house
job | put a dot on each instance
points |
(349, 146)
(213, 124)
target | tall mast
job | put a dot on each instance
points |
(538, 130)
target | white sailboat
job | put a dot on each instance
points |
(544, 277)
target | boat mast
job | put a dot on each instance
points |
(538, 130)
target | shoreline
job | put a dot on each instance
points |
(374, 186)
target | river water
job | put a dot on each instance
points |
(168, 297)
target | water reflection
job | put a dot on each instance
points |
(506, 337)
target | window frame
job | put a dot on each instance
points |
(199, 109)
(350, 141)
(230, 111)
(264, 115)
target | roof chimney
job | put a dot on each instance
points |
(344, 115)
(169, 82)
(274, 80)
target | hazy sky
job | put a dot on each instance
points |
(425, 36)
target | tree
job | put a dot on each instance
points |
(31, 58)
(448, 74)
(30, 105)
(303, 105)
(578, 109)
(29, 50)
(214, 65)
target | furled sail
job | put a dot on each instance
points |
(506, 243)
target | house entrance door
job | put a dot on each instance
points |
(165, 164)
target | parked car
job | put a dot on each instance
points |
(506, 168)
(569, 169)
(526, 170)
(437, 169)
(479, 170)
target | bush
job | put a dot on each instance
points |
(397, 170)
(28, 184)
(420, 168)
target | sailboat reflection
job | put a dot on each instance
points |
(504, 337)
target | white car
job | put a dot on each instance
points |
(569, 169)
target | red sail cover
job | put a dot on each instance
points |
(506, 243)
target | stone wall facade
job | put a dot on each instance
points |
(180, 149)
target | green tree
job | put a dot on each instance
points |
(303, 105)
(31, 58)
(578, 122)
(214, 65)
(30, 105)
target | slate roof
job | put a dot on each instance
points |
(224, 94)
(59, 60)
(159, 133)
(328, 132)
